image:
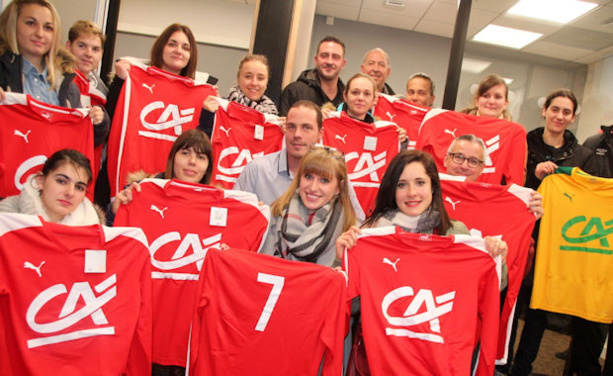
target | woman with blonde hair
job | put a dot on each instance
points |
(314, 211)
(32, 61)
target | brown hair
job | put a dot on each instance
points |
(199, 141)
(386, 197)
(85, 27)
(358, 75)
(157, 50)
(332, 39)
(486, 84)
(308, 104)
(254, 57)
(8, 33)
(565, 93)
(74, 157)
(322, 162)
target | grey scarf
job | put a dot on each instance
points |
(422, 224)
(265, 105)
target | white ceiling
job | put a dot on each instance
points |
(584, 40)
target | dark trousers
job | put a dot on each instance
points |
(530, 341)
(585, 347)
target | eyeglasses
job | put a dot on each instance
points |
(458, 158)
(333, 152)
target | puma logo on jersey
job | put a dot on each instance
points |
(150, 88)
(46, 115)
(169, 266)
(81, 303)
(341, 138)
(570, 197)
(160, 211)
(451, 132)
(424, 307)
(453, 204)
(29, 265)
(24, 136)
(393, 264)
(227, 131)
(390, 115)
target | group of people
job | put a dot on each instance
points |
(315, 215)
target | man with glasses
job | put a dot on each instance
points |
(465, 157)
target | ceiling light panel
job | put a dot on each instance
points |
(506, 36)
(558, 11)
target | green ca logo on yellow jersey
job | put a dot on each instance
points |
(592, 237)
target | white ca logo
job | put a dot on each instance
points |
(171, 117)
(492, 144)
(366, 165)
(244, 156)
(179, 259)
(412, 318)
(69, 316)
(27, 165)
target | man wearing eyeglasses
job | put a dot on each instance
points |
(465, 157)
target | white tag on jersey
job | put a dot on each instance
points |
(95, 261)
(370, 143)
(219, 217)
(259, 132)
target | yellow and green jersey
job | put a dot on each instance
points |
(574, 257)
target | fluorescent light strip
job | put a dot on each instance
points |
(506, 36)
(558, 11)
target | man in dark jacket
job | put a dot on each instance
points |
(322, 84)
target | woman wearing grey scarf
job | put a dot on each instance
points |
(313, 212)
(410, 197)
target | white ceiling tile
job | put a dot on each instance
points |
(441, 12)
(413, 8)
(556, 50)
(594, 20)
(390, 20)
(435, 28)
(493, 5)
(527, 24)
(340, 11)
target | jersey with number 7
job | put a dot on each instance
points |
(261, 315)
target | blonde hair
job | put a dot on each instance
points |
(320, 161)
(8, 34)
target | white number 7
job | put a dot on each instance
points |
(277, 283)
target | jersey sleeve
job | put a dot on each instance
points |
(489, 309)
(139, 359)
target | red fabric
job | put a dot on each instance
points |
(31, 131)
(235, 143)
(496, 210)
(61, 320)
(422, 297)
(407, 115)
(175, 217)
(504, 140)
(306, 317)
(368, 148)
(153, 109)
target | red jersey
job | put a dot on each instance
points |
(90, 95)
(261, 315)
(31, 131)
(505, 143)
(240, 135)
(479, 206)
(423, 297)
(73, 300)
(182, 221)
(368, 148)
(153, 109)
(407, 115)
